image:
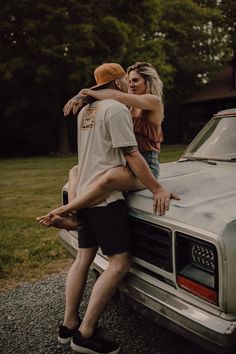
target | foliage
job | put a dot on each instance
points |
(49, 51)
(193, 42)
(197, 47)
(228, 8)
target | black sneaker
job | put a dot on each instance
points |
(93, 345)
(65, 334)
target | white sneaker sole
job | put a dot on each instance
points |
(64, 340)
(80, 349)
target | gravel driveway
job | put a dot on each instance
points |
(30, 316)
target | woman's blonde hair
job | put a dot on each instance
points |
(154, 84)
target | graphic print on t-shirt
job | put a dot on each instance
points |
(88, 119)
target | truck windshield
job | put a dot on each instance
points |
(217, 141)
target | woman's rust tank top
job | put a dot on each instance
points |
(149, 135)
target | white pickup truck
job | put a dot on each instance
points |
(184, 270)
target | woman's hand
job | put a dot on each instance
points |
(86, 92)
(76, 102)
(73, 105)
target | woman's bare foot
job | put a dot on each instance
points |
(65, 222)
(61, 222)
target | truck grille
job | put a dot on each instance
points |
(151, 243)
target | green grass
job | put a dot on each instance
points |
(31, 187)
(171, 152)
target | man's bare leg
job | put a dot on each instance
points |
(75, 284)
(103, 290)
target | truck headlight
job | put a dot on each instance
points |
(202, 256)
(197, 267)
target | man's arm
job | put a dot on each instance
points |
(161, 198)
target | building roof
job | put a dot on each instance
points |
(222, 87)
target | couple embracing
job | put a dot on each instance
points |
(119, 136)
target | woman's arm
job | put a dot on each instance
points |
(74, 104)
(146, 101)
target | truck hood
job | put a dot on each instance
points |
(207, 192)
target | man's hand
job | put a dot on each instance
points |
(161, 200)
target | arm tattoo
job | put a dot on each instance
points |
(77, 98)
(85, 99)
(127, 150)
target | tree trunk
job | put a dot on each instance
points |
(64, 146)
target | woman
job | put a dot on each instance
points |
(146, 107)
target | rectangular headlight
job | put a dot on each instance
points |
(197, 267)
(202, 256)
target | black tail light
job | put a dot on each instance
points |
(64, 197)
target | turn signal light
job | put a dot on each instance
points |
(197, 289)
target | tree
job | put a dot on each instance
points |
(49, 52)
(196, 47)
(228, 8)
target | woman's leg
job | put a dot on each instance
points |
(67, 222)
(73, 182)
(120, 178)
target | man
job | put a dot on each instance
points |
(105, 140)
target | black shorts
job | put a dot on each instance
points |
(105, 227)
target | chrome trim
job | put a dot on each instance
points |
(69, 240)
(205, 329)
(163, 303)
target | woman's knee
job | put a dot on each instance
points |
(73, 171)
(108, 179)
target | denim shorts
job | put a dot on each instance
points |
(152, 160)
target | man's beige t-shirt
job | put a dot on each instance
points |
(103, 128)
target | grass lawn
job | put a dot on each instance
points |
(31, 187)
(171, 152)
